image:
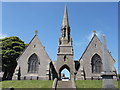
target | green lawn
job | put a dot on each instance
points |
(91, 84)
(48, 84)
(27, 84)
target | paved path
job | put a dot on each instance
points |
(64, 85)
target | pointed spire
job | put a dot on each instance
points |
(65, 17)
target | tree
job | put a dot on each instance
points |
(11, 47)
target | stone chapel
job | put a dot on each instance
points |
(35, 64)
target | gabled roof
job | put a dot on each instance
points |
(35, 36)
(89, 45)
(25, 48)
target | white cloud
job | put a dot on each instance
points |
(3, 35)
(86, 39)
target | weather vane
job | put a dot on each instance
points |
(36, 32)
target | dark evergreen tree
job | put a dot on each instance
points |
(11, 48)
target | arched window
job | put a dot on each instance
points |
(96, 64)
(33, 64)
(65, 58)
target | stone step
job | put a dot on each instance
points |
(64, 84)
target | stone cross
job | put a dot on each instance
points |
(94, 31)
(36, 32)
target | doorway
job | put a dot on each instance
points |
(64, 73)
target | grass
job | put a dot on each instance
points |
(27, 84)
(91, 84)
(48, 84)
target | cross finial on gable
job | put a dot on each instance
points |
(94, 31)
(36, 32)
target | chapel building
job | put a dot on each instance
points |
(35, 64)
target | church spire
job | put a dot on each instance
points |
(65, 41)
(65, 18)
(65, 29)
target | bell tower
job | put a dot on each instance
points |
(65, 49)
(65, 38)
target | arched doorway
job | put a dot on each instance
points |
(64, 73)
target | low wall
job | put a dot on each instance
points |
(54, 84)
(73, 83)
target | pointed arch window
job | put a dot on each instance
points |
(96, 64)
(33, 64)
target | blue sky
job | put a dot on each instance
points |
(22, 19)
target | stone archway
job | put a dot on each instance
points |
(61, 69)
